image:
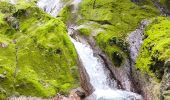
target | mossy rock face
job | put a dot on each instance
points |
(116, 18)
(155, 50)
(84, 31)
(37, 57)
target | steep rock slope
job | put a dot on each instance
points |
(154, 55)
(110, 22)
(114, 19)
(37, 57)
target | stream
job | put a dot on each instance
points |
(95, 68)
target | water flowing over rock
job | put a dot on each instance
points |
(104, 86)
(13, 1)
(98, 76)
(50, 6)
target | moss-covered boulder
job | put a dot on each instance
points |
(155, 49)
(153, 58)
(113, 20)
(37, 57)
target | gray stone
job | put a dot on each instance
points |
(2, 76)
(135, 39)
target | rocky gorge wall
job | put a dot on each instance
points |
(111, 22)
(130, 36)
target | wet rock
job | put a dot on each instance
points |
(13, 22)
(85, 80)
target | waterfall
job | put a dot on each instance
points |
(50, 6)
(95, 68)
(13, 1)
(98, 76)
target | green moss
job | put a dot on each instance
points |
(64, 14)
(155, 49)
(38, 58)
(85, 31)
(116, 18)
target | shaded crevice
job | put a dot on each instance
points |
(102, 22)
(164, 11)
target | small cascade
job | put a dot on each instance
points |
(99, 77)
(94, 66)
(52, 7)
(12, 1)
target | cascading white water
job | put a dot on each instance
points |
(50, 6)
(94, 66)
(13, 1)
(98, 77)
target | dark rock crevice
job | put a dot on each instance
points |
(164, 11)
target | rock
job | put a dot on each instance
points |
(80, 92)
(163, 8)
(135, 39)
(26, 98)
(84, 79)
(60, 97)
(167, 63)
(165, 85)
(3, 45)
(72, 96)
(2, 76)
(13, 22)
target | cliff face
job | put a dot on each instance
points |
(110, 23)
(37, 57)
(153, 58)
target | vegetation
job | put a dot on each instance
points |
(156, 48)
(37, 58)
(116, 18)
(84, 31)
